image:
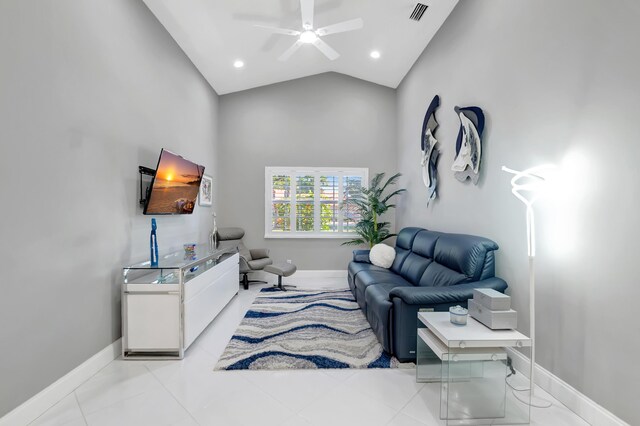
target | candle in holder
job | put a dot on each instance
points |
(458, 315)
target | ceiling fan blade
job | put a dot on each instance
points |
(350, 25)
(276, 30)
(306, 9)
(326, 49)
(290, 51)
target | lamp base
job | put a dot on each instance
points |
(535, 401)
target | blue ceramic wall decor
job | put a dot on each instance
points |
(430, 154)
(469, 144)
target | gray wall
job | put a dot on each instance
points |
(88, 91)
(326, 120)
(559, 83)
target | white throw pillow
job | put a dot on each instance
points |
(382, 255)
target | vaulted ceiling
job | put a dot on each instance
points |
(217, 33)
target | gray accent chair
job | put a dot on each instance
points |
(251, 260)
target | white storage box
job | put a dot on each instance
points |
(495, 320)
(492, 299)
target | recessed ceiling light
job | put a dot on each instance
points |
(374, 54)
(238, 64)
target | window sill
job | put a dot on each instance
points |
(311, 235)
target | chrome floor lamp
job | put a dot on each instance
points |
(528, 185)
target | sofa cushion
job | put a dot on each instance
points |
(437, 275)
(413, 267)
(405, 237)
(401, 255)
(366, 278)
(465, 254)
(425, 242)
(354, 268)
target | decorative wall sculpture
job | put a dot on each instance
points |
(429, 152)
(469, 144)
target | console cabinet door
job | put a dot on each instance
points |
(153, 321)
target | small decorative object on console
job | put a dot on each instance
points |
(189, 249)
(458, 315)
(382, 255)
(153, 243)
(213, 235)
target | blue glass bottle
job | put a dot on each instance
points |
(153, 243)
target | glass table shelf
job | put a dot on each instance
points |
(174, 266)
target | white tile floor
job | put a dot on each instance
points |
(189, 392)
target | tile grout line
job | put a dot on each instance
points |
(119, 401)
(84, 418)
(172, 395)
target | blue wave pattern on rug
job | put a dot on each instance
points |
(301, 330)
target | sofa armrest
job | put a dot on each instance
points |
(361, 256)
(260, 253)
(459, 293)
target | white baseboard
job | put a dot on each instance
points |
(54, 393)
(339, 273)
(304, 275)
(587, 409)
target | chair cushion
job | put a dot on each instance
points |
(281, 268)
(259, 264)
(226, 234)
(244, 252)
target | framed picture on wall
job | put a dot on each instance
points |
(205, 198)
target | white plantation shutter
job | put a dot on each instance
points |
(311, 202)
(305, 203)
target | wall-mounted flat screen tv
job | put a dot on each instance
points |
(175, 185)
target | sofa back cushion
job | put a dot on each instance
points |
(428, 258)
(413, 267)
(404, 243)
(466, 254)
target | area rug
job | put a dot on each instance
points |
(304, 330)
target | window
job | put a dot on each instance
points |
(304, 202)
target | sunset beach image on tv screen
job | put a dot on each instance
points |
(175, 186)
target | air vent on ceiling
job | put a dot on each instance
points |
(419, 10)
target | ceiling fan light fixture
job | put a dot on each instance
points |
(308, 37)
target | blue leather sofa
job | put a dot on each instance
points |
(431, 271)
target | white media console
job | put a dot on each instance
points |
(166, 307)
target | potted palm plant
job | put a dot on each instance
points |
(370, 204)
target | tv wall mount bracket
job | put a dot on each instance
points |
(145, 183)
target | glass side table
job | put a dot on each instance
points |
(470, 362)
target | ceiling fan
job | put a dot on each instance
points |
(308, 35)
